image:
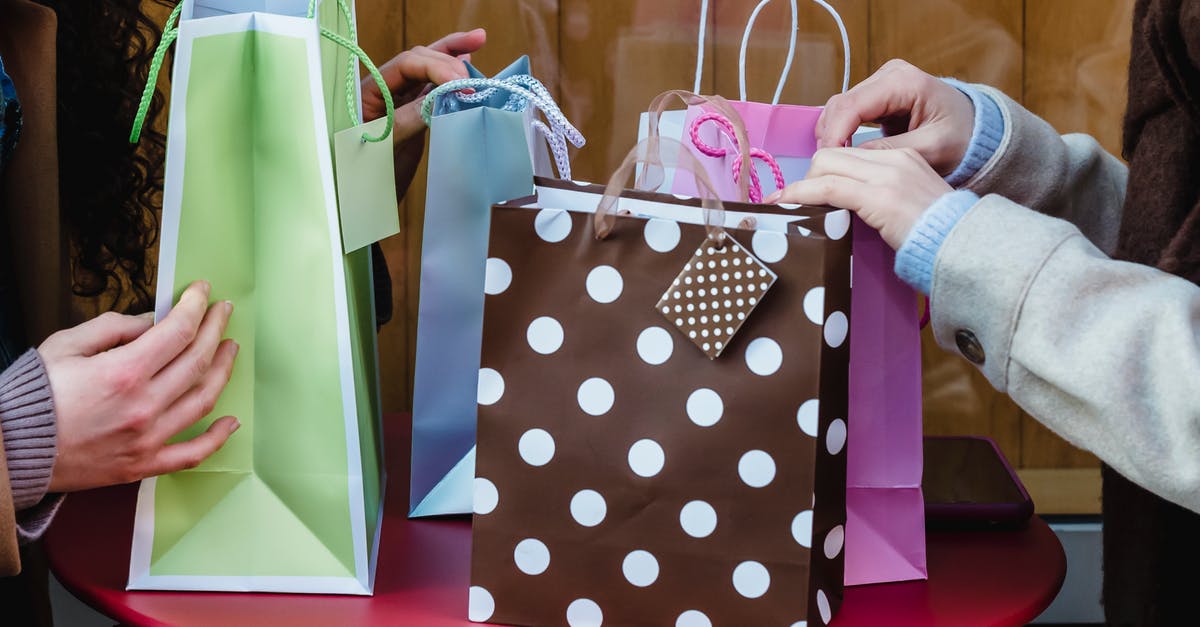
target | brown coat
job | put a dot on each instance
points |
(29, 203)
(1151, 546)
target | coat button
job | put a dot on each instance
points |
(970, 347)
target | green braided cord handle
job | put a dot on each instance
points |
(170, 33)
(358, 54)
(352, 63)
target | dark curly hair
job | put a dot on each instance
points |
(111, 190)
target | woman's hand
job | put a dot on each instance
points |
(410, 75)
(916, 111)
(888, 189)
(123, 387)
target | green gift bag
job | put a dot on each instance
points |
(264, 104)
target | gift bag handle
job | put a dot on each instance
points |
(787, 67)
(171, 33)
(356, 55)
(654, 152)
(524, 90)
(716, 108)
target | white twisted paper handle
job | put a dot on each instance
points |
(787, 67)
(524, 91)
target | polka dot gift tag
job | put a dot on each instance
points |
(715, 294)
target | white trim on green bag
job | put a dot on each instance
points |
(364, 564)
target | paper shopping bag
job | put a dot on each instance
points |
(885, 529)
(482, 151)
(625, 476)
(886, 516)
(292, 503)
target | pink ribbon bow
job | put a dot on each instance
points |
(755, 190)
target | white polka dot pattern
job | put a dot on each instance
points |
(751, 579)
(584, 613)
(655, 345)
(808, 416)
(646, 458)
(661, 235)
(552, 225)
(717, 291)
(640, 568)
(536, 447)
(837, 224)
(616, 497)
(485, 497)
(833, 541)
(480, 604)
(604, 284)
(698, 519)
(531, 556)
(757, 469)
(835, 437)
(497, 276)
(704, 407)
(836, 328)
(802, 528)
(693, 618)
(814, 305)
(588, 508)
(596, 396)
(545, 335)
(491, 386)
(823, 607)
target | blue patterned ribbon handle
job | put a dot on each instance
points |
(524, 91)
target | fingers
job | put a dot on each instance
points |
(191, 365)
(829, 189)
(161, 344)
(890, 92)
(408, 122)
(420, 65)
(200, 400)
(868, 102)
(855, 164)
(104, 332)
(461, 44)
(189, 454)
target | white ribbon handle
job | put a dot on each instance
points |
(525, 90)
(700, 46)
(787, 67)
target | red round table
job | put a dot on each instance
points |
(975, 577)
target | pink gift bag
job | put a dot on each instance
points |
(885, 526)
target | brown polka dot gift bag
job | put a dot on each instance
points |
(649, 451)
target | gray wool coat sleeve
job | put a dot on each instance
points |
(1105, 353)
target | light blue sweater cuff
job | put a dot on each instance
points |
(914, 260)
(985, 138)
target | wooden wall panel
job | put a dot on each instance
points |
(616, 56)
(817, 67)
(1076, 63)
(381, 36)
(974, 40)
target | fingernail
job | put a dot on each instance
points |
(236, 425)
(236, 347)
(228, 306)
(206, 287)
(773, 198)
